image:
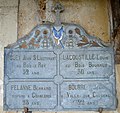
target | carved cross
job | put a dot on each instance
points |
(58, 8)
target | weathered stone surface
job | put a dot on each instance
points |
(8, 34)
(28, 16)
(117, 86)
(8, 30)
(7, 3)
(92, 15)
(59, 67)
(27, 28)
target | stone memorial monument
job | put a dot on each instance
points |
(59, 67)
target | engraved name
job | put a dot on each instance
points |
(85, 57)
(29, 87)
(30, 57)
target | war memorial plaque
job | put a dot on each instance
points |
(59, 67)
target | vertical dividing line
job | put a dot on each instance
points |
(58, 67)
(18, 10)
(58, 74)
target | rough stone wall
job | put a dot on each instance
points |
(93, 15)
(117, 45)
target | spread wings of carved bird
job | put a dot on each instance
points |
(58, 35)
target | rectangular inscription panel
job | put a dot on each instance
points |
(32, 94)
(86, 64)
(87, 94)
(30, 64)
